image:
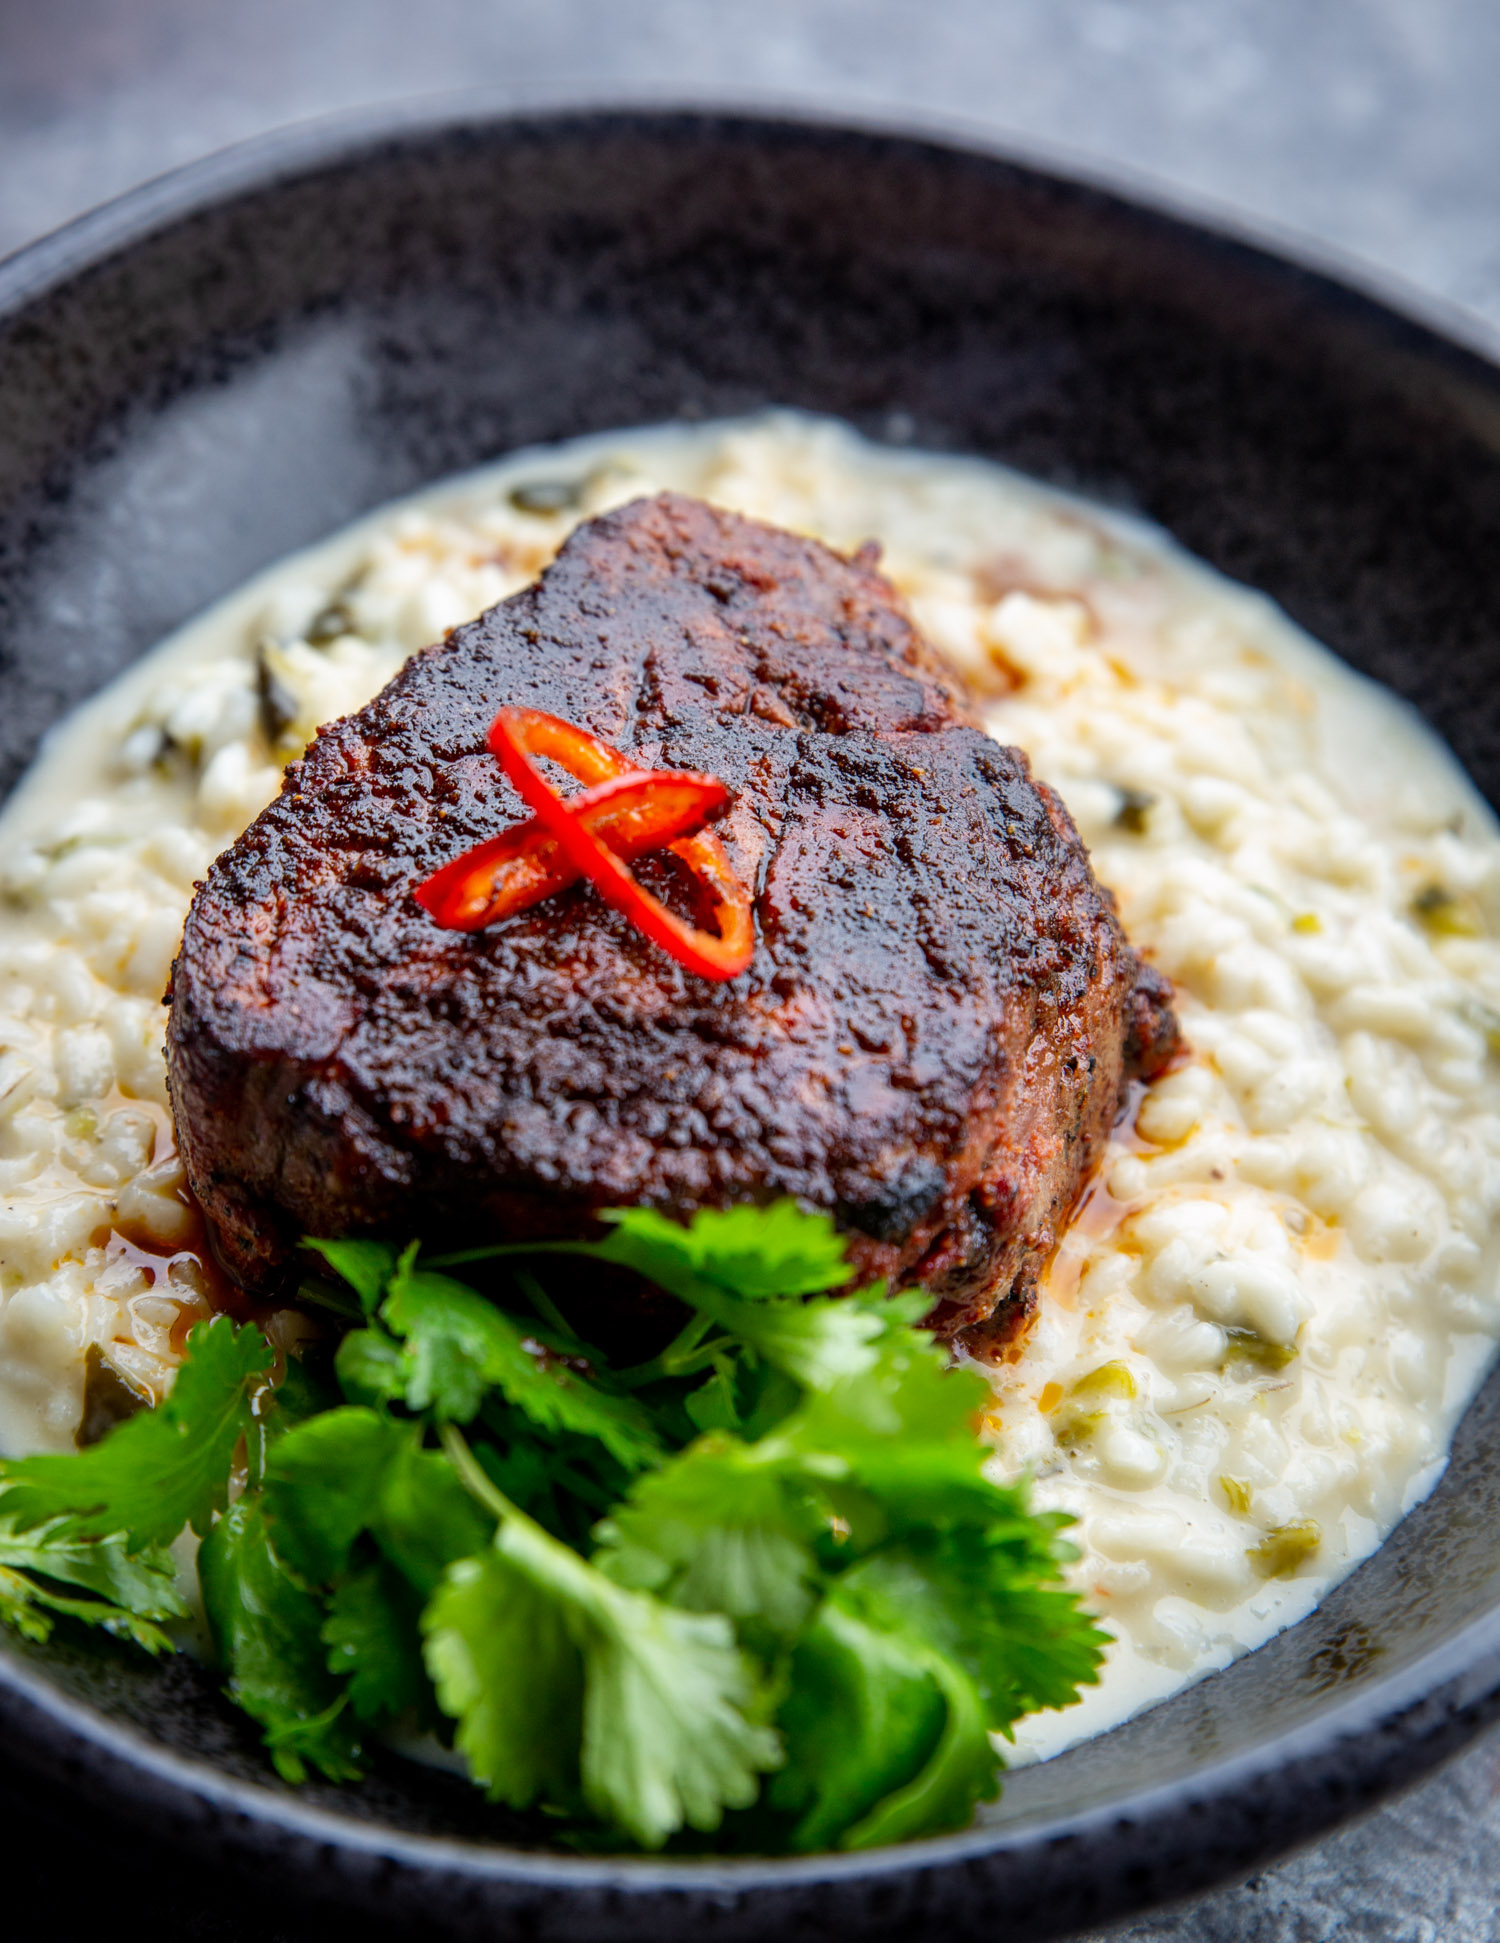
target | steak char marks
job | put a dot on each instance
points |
(932, 1040)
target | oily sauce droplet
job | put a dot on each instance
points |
(1096, 1213)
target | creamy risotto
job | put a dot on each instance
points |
(1258, 1335)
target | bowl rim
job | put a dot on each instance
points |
(300, 147)
(1398, 1726)
(1463, 1670)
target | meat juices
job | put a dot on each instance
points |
(931, 1043)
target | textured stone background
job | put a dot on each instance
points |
(1372, 126)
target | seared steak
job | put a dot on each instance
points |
(931, 1042)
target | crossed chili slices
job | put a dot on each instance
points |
(622, 812)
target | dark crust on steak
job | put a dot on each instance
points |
(933, 1038)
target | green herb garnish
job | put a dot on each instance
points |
(759, 1587)
(162, 1470)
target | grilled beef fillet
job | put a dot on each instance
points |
(932, 1041)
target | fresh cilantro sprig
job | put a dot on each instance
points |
(44, 1571)
(164, 1469)
(650, 1714)
(758, 1589)
(83, 1535)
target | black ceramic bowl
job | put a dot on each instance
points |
(231, 363)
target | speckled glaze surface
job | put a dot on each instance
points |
(233, 362)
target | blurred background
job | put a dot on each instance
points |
(1370, 125)
(1366, 129)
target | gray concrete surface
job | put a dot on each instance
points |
(1371, 126)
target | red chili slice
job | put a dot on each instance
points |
(626, 813)
(516, 734)
(636, 812)
(734, 914)
(577, 750)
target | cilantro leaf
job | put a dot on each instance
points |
(887, 1448)
(962, 1770)
(267, 1629)
(657, 1707)
(564, 1483)
(371, 1367)
(703, 1751)
(351, 1471)
(715, 1404)
(329, 1482)
(459, 1346)
(861, 1718)
(373, 1641)
(129, 1593)
(508, 1671)
(752, 1253)
(323, 1485)
(902, 1433)
(29, 1607)
(426, 1519)
(455, 1344)
(161, 1469)
(989, 1600)
(144, 1584)
(743, 1394)
(718, 1529)
(814, 1343)
(367, 1266)
(886, 1738)
(747, 1269)
(817, 1343)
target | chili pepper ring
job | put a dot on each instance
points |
(624, 812)
(634, 812)
(514, 734)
